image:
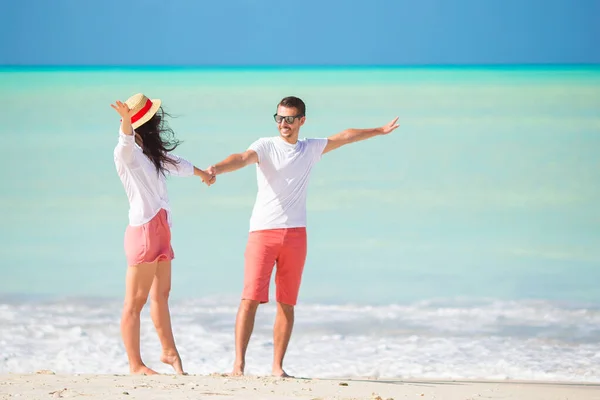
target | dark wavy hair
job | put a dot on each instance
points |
(158, 139)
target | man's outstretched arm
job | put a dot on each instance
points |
(355, 135)
(233, 163)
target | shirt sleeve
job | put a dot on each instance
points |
(260, 148)
(182, 167)
(125, 147)
(316, 147)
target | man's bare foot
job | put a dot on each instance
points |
(142, 370)
(280, 373)
(238, 369)
(174, 361)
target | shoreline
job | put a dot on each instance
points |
(45, 384)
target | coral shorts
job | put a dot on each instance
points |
(149, 242)
(265, 248)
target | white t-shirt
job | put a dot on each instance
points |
(282, 174)
(146, 189)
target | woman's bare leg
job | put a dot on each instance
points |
(137, 286)
(159, 310)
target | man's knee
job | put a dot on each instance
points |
(286, 308)
(249, 306)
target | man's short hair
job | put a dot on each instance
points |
(294, 102)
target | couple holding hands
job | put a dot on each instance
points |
(277, 235)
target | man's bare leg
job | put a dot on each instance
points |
(282, 332)
(159, 311)
(244, 324)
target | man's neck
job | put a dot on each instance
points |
(290, 140)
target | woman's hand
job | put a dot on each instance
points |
(125, 113)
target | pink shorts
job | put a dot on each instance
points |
(265, 248)
(149, 242)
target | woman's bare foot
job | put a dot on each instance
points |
(280, 373)
(142, 370)
(174, 361)
(238, 369)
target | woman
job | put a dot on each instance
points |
(143, 159)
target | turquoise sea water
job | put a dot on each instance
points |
(489, 188)
(487, 194)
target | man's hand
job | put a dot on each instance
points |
(389, 127)
(211, 175)
(206, 177)
(356, 135)
(212, 170)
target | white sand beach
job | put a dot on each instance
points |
(46, 385)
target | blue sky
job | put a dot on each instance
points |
(309, 32)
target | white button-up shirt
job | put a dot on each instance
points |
(145, 187)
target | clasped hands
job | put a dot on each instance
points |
(209, 176)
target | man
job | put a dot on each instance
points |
(278, 222)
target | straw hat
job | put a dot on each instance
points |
(143, 109)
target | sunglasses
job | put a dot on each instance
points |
(289, 119)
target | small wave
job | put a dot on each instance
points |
(487, 339)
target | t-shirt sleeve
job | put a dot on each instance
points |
(260, 148)
(316, 147)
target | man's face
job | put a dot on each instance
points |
(286, 129)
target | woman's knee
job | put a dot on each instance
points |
(160, 296)
(135, 304)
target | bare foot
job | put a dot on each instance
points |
(174, 361)
(280, 373)
(238, 370)
(142, 370)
